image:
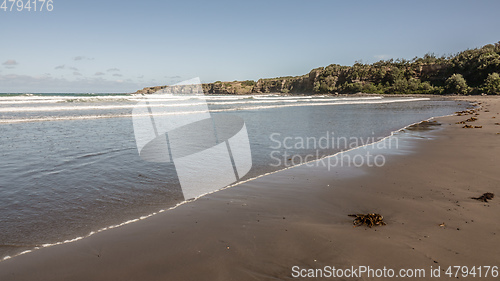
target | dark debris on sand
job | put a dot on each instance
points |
(485, 197)
(368, 220)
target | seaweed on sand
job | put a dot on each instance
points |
(485, 197)
(368, 220)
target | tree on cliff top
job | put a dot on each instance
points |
(492, 84)
(457, 84)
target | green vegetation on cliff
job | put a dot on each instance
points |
(473, 71)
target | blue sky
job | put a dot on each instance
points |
(121, 46)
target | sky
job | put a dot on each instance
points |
(112, 46)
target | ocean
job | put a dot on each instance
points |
(70, 164)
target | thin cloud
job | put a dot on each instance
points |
(113, 70)
(63, 66)
(10, 63)
(99, 74)
(117, 75)
(76, 73)
(77, 58)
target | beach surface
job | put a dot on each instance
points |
(261, 229)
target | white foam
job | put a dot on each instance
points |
(242, 97)
(28, 98)
(279, 97)
(111, 107)
(31, 101)
(73, 108)
(86, 117)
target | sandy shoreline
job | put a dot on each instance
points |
(298, 217)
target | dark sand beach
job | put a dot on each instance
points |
(299, 217)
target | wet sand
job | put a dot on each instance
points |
(260, 229)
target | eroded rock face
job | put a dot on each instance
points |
(150, 90)
(319, 80)
(229, 88)
(298, 84)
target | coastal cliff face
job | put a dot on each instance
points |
(381, 77)
(229, 88)
(331, 79)
(300, 84)
(469, 72)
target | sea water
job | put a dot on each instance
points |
(69, 163)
